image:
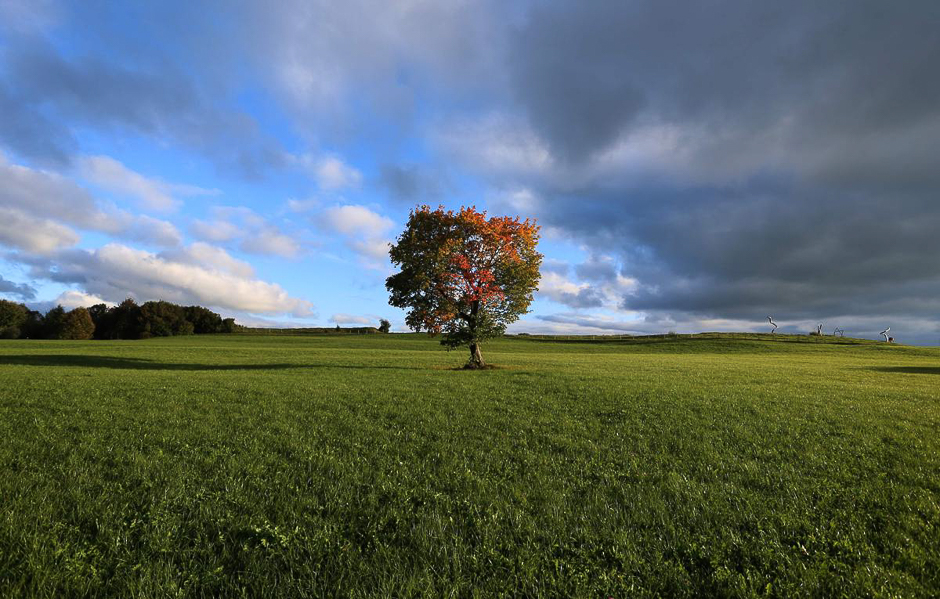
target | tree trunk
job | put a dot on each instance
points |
(476, 358)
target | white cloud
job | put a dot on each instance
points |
(76, 299)
(520, 201)
(46, 202)
(116, 271)
(374, 249)
(496, 145)
(187, 190)
(147, 229)
(600, 284)
(559, 289)
(333, 174)
(272, 242)
(206, 255)
(366, 232)
(353, 319)
(330, 172)
(42, 236)
(215, 230)
(509, 151)
(353, 219)
(47, 195)
(255, 233)
(577, 324)
(114, 176)
(302, 205)
(249, 320)
(153, 193)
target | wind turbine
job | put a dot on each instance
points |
(885, 333)
(773, 324)
(838, 331)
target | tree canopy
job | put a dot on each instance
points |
(77, 324)
(12, 318)
(464, 275)
(127, 320)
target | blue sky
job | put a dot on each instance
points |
(693, 168)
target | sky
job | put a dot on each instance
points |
(694, 166)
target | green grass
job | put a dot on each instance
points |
(365, 466)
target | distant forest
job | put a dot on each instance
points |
(124, 321)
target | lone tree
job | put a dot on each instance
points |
(464, 275)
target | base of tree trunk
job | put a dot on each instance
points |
(472, 366)
(476, 358)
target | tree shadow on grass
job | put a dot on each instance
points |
(907, 369)
(60, 360)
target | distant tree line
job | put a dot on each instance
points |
(127, 320)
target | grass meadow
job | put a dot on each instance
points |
(366, 466)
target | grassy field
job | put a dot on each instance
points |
(359, 466)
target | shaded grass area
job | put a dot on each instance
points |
(107, 362)
(908, 369)
(365, 466)
(79, 361)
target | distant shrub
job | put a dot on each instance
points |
(815, 334)
(163, 319)
(204, 320)
(54, 323)
(384, 326)
(228, 325)
(77, 325)
(119, 322)
(34, 327)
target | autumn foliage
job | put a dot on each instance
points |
(463, 274)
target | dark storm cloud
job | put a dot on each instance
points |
(20, 290)
(739, 253)
(581, 299)
(801, 155)
(48, 95)
(413, 184)
(802, 71)
(597, 269)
